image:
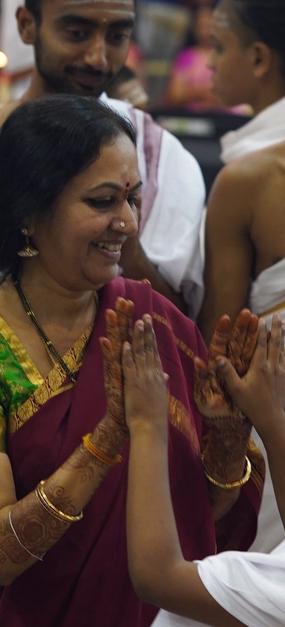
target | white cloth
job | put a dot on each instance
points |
(266, 129)
(267, 292)
(250, 586)
(173, 201)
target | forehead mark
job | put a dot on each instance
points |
(103, 5)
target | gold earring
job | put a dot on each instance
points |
(28, 251)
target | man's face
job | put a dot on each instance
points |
(230, 60)
(81, 45)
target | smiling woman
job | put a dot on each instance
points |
(70, 190)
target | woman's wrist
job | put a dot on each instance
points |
(109, 435)
(226, 448)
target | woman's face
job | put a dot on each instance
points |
(80, 242)
(230, 59)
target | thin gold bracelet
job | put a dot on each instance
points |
(233, 484)
(98, 453)
(52, 509)
(36, 557)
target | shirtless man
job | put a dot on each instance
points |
(245, 225)
(80, 46)
(245, 218)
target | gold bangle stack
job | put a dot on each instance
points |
(233, 484)
(52, 509)
(96, 452)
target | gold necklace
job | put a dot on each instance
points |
(49, 346)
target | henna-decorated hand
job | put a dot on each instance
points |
(237, 343)
(118, 331)
(260, 393)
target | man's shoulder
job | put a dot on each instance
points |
(254, 164)
(6, 109)
(142, 120)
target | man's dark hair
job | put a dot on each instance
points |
(34, 6)
(43, 145)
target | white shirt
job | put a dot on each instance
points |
(250, 586)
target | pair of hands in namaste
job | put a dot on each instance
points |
(236, 343)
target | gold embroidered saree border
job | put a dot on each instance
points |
(183, 347)
(52, 385)
(257, 465)
(21, 353)
(180, 418)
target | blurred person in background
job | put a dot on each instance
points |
(80, 47)
(245, 225)
(190, 80)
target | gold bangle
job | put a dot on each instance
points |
(109, 461)
(52, 509)
(233, 484)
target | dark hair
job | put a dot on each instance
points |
(34, 6)
(44, 144)
(266, 21)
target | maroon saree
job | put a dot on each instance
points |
(83, 581)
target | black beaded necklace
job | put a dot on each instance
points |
(50, 348)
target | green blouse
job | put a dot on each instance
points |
(19, 378)
(23, 390)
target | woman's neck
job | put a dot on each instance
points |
(54, 303)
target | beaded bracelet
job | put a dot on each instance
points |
(233, 484)
(36, 557)
(94, 450)
(52, 509)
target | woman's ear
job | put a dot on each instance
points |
(262, 58)
(27, 26)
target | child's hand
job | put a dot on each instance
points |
(260, 394)
(146, 398)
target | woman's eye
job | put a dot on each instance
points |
(134, 201)
(101, 203)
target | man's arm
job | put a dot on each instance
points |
(229, 253)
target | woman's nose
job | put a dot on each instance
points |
(127, 222)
